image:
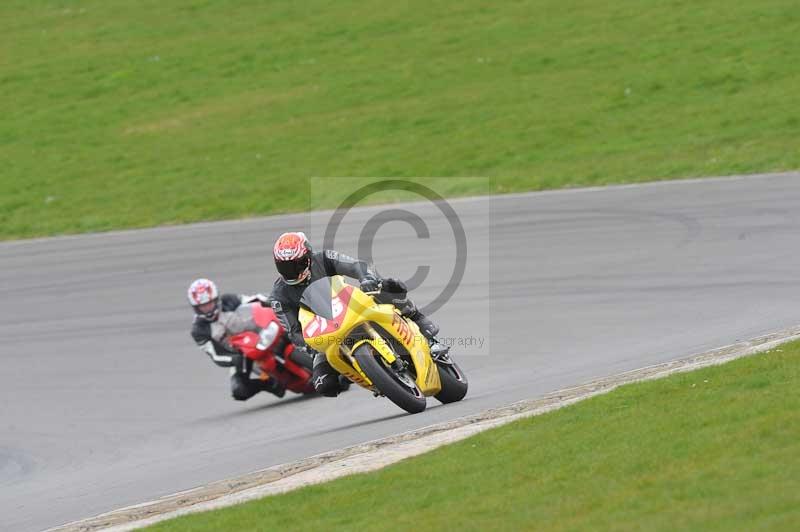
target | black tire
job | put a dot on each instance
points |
(388, 382)
(454, 383)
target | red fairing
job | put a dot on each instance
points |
(263, 315)
(246, 343)
(278, 366)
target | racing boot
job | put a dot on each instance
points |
(429, 330)
(396, 291)
(344, 383)
(274, 387)
(243, 387)
(325, 379)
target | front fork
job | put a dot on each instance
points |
(397, 363)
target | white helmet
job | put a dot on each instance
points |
(204, 299)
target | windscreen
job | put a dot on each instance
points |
(317, 298)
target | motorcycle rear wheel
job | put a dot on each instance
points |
(399, 389)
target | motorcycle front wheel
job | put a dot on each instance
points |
(454, 383)
(398, 386)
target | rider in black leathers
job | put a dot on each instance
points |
(299, 266)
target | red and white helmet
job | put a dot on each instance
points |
(292, 253)
(204, 298)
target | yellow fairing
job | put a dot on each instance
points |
(361, 309)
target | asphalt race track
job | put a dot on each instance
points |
(107, 403)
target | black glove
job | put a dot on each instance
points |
(393, 292)
(370, 284)
(396, 288)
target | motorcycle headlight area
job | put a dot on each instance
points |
(267, 336)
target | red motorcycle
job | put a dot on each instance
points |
(276, 358)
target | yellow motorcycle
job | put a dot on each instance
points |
(374, 346)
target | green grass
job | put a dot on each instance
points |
(128, 114)
(716, 449)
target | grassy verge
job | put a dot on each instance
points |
(128, 114)
(715, 449)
